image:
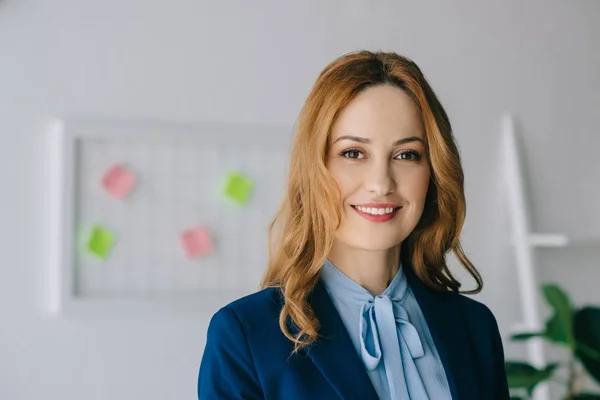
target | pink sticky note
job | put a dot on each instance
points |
(118, 181)
(196, 242)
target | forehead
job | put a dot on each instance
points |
(380, 111)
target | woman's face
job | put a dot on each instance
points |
(377, 157)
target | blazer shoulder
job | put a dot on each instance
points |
(478, 317)
(257, 307)
(476, 309)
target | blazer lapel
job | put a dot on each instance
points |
(445, 321)
(334, 354)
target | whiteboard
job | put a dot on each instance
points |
(180, 172)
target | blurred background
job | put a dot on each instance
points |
(252, 63)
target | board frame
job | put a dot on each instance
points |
(64, 136)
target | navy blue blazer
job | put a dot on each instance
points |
(247, 357)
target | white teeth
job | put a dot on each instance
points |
(375, 210)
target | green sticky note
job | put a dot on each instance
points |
(238, 188)
(101, 242)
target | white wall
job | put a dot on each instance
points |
(254, 61)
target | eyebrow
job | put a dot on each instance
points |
(368, 141)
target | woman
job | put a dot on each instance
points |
(358, 301)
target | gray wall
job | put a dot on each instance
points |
(254, 62)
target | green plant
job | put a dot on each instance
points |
(578, 330)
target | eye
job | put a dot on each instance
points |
(353, 154)
(406, 155)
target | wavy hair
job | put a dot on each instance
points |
(302, 232)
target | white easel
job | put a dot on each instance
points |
(524, 242)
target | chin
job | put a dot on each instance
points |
(369, 243)
(379, 246)
(371, 238)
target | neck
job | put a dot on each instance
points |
(371, 269)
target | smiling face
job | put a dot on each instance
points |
(377, 157)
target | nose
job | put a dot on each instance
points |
(379, 179)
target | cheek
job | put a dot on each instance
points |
(346, 180)
(413, 185)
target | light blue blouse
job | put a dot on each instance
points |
(391, 337)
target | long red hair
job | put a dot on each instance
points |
(302, 232)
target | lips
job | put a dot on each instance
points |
(377, 205)
(373, 212)
(376, 208)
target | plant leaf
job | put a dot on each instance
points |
(559, 328)
(555, 332)
(586, 326)
(525, 376)
(527, 335)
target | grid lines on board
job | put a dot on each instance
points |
(179, 185)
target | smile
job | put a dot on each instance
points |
(377, 214)
(375, 210)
